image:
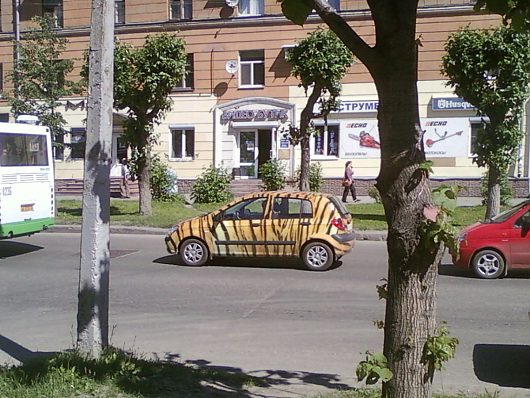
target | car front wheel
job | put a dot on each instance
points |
(488, 264)
(317, 256)
(193, 252)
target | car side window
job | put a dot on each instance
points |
(291, 208)
(524, 219)
(251, 209)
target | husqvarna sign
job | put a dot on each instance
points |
(451, 104)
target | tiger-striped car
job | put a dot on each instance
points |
(315, 227)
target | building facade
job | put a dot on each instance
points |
(232, 107)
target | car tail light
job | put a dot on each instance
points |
(337, 222)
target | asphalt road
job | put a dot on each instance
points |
(306, 331)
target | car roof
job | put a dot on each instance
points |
(290, 194)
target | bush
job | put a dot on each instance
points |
(316, 179)
(163, 182)
(212, 186)
(506, 189)
(374, 194)
(273, 175)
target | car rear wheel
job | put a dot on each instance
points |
(488, 264)
(317, 256)
(193, 252)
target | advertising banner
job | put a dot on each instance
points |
(442, 137)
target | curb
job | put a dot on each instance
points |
(123, 229)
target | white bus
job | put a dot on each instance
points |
(27, 197)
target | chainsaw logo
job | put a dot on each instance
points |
(365, 140)
(441, 137)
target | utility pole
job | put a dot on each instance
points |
(94, 273)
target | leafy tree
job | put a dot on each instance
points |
(320, 61)
(40, 76)
(143, 80)
(491, 70)
(403, 183)
(514, 12)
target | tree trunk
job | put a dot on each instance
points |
(144, 184)
(305, 136)
(93, 292)
(305, 161)
(493, 202)
(405, 192)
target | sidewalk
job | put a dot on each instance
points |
(122, 229)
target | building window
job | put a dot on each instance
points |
(186, 80)
(182, 143)
(326, 142)
(180, 9)
(252, 68)
(58, 147)
(250, 7)
(335, 4)
(478, 124)
(77, 142)
(53, 9)
(119, 12)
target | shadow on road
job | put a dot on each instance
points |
(502, 364)
(448, 269)
(11, 249)
(18, 352)
(269, 378)
(245, 262)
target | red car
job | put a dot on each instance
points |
(491, 248)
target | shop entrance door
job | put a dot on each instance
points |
(265, 148)
(248, 154)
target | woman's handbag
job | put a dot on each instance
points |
(346, 182)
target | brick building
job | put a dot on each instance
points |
(239, 93)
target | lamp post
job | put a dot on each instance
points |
(16, 48)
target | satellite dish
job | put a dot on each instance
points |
(232, 3)
(231, 66)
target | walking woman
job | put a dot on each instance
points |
(348, 183)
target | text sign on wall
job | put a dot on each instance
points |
(254, 114)
(451, 104)
(443, 137)
(353, 107)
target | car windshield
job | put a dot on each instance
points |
(505, 215)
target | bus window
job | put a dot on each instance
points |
(23, 150)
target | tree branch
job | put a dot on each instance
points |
(366, 54)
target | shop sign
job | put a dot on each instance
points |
(284, 143)
(451, 104)
(254, 114)
(345, 106)
(442, 137)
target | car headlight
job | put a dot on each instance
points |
(173, 229)
(461, 238)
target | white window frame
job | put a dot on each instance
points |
(78, 132)
(475, 123)
(251, 63)
(325, 156)
(182, 129)
(186, 82)
(251, 7)
(183, 6)
(119, 12)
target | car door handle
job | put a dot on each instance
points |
(255, 224)
(305, 223)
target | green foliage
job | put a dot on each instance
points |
(438, 349)
(491, 70)
(316, 179)
(373, 192)
(40, 76)
(436, 227)
(373, 368)
(163, 182)
(212, 186)
(273, 175)
(506, 189)
(514, 12)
